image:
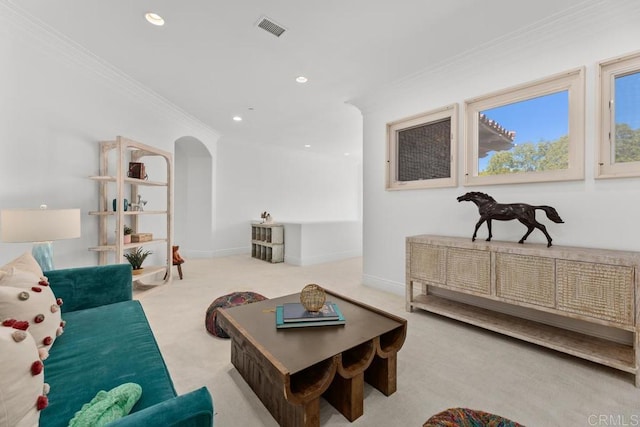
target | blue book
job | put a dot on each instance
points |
(281, 324)
(295, 312)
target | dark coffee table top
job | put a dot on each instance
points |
(295, 349)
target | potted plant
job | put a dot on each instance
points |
(136, 257)
(127, 234)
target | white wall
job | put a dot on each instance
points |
(601, 213)
(294, 186)
(56, 103)
(308, 243)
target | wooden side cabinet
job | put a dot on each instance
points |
(598, 287)
(267, 242)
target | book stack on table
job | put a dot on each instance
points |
(294, 315)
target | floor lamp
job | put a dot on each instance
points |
(40, 226)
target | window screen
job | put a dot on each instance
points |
(424, 152)
(421, 150)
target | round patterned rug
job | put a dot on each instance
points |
(464, 417)
(230, 300)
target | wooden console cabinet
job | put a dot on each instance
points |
(599, 287)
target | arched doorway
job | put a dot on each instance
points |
(193, 198)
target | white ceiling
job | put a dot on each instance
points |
(212, 61)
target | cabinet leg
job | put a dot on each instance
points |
(409, 296)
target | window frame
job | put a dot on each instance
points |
(448, 112)
(571, 81)
(608, 70)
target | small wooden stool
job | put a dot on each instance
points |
(177, 261)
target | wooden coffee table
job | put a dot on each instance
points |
(290, 369)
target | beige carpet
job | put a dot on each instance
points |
(443, 363)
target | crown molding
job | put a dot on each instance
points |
(21, 25)
(585, 16)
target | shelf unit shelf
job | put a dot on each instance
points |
(149, 272)
(103, 178)
(126, 213)
(112, 248)
(605, 352)
(122, 151)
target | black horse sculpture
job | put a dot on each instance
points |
(490, 209)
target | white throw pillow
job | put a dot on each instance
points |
(27, 297)
(22, 388)
(25, 262)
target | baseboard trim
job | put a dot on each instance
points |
(186, 253)
(194, 253)
(321, 259)
(383, 284)
(292, 260)
(232, 251)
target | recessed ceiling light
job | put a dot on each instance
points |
(237, 118)
(307, 146)
(301, 79)
(154, 18)
(346, 154)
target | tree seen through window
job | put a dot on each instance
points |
(538, 132)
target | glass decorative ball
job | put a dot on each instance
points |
(312, 297)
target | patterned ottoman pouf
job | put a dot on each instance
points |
(230, 300)
(463, 417)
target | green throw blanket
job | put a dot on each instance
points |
(107, 406)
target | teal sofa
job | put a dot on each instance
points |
(107, 342)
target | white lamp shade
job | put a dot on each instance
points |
(39, 225)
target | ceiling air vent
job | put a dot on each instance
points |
(271, 27)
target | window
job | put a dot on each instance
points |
(529, 133)
(422, 150)
(619, 118)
